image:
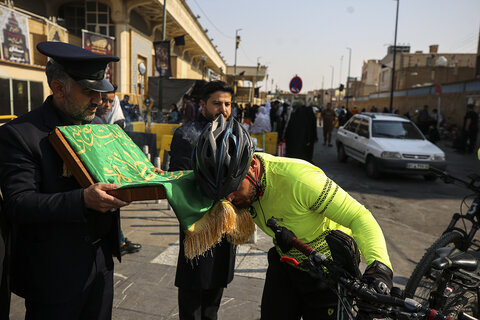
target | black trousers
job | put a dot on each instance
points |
(198, 304)
(290, 293)
(93, 303)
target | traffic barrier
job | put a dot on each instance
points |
(269, 145)
(165, 145)
(138, 126)
(161, 129)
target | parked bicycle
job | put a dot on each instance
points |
(449, 288)
(356, 299)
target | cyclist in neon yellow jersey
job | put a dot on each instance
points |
(301, 198)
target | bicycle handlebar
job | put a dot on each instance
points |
(448, 178)
(356, 286)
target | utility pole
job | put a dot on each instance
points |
(348, 77)
(331, 85)
(237, 43)
(340, 77)
(392, 88)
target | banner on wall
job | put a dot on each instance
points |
(100, 44)
(14, 36)
(56, 33)
(162, 58)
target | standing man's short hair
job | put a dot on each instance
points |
(214, 86)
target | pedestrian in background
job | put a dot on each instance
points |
(470, 129)
(173, 115)
(262, 122)
(301, 133)
(127, 109)
(190, 109)
(423, 120)
(328, 117)
(63, 236)
(115, 115)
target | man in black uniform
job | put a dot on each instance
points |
(63, 236)
(201, 282)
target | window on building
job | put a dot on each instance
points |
(73, 15)
(98, 17)
(90, 15)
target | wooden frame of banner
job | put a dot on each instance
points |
(83, 177)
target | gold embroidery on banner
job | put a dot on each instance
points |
(125, 163)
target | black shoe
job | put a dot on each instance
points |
(130, 247)
(330, 145)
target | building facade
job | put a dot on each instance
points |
(128, 29)
(424, 69)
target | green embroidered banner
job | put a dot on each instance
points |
(111, 156)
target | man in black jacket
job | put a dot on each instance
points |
(63, 236)
(201, 282)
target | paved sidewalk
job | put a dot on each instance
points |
(144, 280)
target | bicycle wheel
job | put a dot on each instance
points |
(424, 280)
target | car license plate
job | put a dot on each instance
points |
(418, 166)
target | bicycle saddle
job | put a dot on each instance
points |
(458, 260)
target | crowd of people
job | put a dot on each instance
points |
(63, 237)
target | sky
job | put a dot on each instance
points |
(309, 37)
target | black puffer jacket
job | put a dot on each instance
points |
(212, 270)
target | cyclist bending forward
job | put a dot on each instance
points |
(301, 198)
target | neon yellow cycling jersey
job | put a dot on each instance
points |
(303, 199)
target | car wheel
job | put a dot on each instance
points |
(430, 177)
(341, 155)
(372, 169)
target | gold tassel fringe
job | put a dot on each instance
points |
(223, 219)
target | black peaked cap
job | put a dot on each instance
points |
(85, 67)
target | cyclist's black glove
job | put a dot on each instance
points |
(378, 277)
(284, 239)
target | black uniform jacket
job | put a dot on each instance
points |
(215, 269)
(52, 231)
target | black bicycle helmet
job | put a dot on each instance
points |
(222, 157)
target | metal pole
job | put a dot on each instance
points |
(160, 80)
(394, 59)
(340, 78)
(256, 78)
(237, 43)
(331, 85)
(348, 77)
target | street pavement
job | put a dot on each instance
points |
(412, 213)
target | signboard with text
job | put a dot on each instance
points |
(100, 44)
(14, 36)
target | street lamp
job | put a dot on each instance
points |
(394, 59)
(331, 84)
(348, 77)
(237, 43)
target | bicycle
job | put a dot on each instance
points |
(356, 299)
(451, 290)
